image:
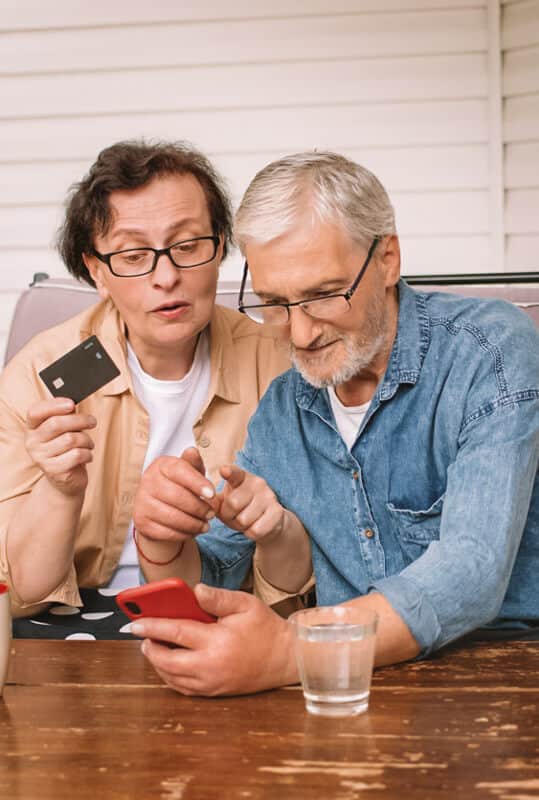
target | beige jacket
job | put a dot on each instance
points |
(244, 359)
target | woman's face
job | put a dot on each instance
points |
(165, 310)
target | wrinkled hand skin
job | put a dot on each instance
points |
(249, 505)
(57, 441)
(170, 504)
(248, 649)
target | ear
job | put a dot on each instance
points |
(94, 268)
(390, 259)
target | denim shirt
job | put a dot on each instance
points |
(436, 505)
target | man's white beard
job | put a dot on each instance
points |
(361, 349)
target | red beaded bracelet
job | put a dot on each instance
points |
(149, 560)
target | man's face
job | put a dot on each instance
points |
(165, 310)
(307, 263)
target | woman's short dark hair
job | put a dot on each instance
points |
(129, 165)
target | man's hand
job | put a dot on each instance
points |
(56, 440)
(174, 499)
(247, 504)
(249, 649)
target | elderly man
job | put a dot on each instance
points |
(403, 447)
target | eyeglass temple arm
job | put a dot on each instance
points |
(372, 248)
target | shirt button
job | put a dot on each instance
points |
(204, 441)
(355, 475)
(369, 533)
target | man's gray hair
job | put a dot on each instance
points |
(327, 186)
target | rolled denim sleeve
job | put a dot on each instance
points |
(226, 556)
(460, 581)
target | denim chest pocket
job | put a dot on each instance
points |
(418, 527)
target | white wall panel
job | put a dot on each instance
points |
(521, 71)
(522, 165)
(521, 253)
(274, 130)
(521, 25)
(246, 41)
(520, 22)
(522, 211)
(34, 14)
(22, 263)
(521, 118)
(255, 86)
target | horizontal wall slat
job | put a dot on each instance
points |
(236, 42)
(32, 14)
(420, 213)
(400, 169)
(521, 118)
(288, 129)
(451, 77)
(520, 25)
(21, 264)
(522, 253)
(522, 166)
(521, 71)
(522, 211)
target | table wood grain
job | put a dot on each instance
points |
(91, 720)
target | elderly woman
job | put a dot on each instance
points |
(148, 226)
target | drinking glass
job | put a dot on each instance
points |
(335, 655)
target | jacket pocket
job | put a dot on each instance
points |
(418, 527)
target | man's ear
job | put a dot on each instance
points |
(391, 259)
(94, 268)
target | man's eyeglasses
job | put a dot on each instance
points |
(326, 307)
(141, 260)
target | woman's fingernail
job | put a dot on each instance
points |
(210, 514)
(207, 493)
(144, 647)
(137, 628)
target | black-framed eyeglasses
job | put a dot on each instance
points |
(138, 261)
(326, 307)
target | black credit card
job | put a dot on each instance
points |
(81, 371)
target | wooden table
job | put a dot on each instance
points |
(91, 720)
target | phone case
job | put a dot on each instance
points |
(171, 598)
(81, 371)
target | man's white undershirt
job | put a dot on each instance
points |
(348, 418)
(173, 408)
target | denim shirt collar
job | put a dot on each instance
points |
(407, 355)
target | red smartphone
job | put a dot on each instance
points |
(171, 598)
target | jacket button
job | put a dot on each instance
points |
(204, 441)
(369, 533)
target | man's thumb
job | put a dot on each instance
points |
(221, 602)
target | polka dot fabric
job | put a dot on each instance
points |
(99, 618)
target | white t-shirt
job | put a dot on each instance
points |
(348, 418)
(173, 408)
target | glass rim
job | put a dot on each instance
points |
(371, 617)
